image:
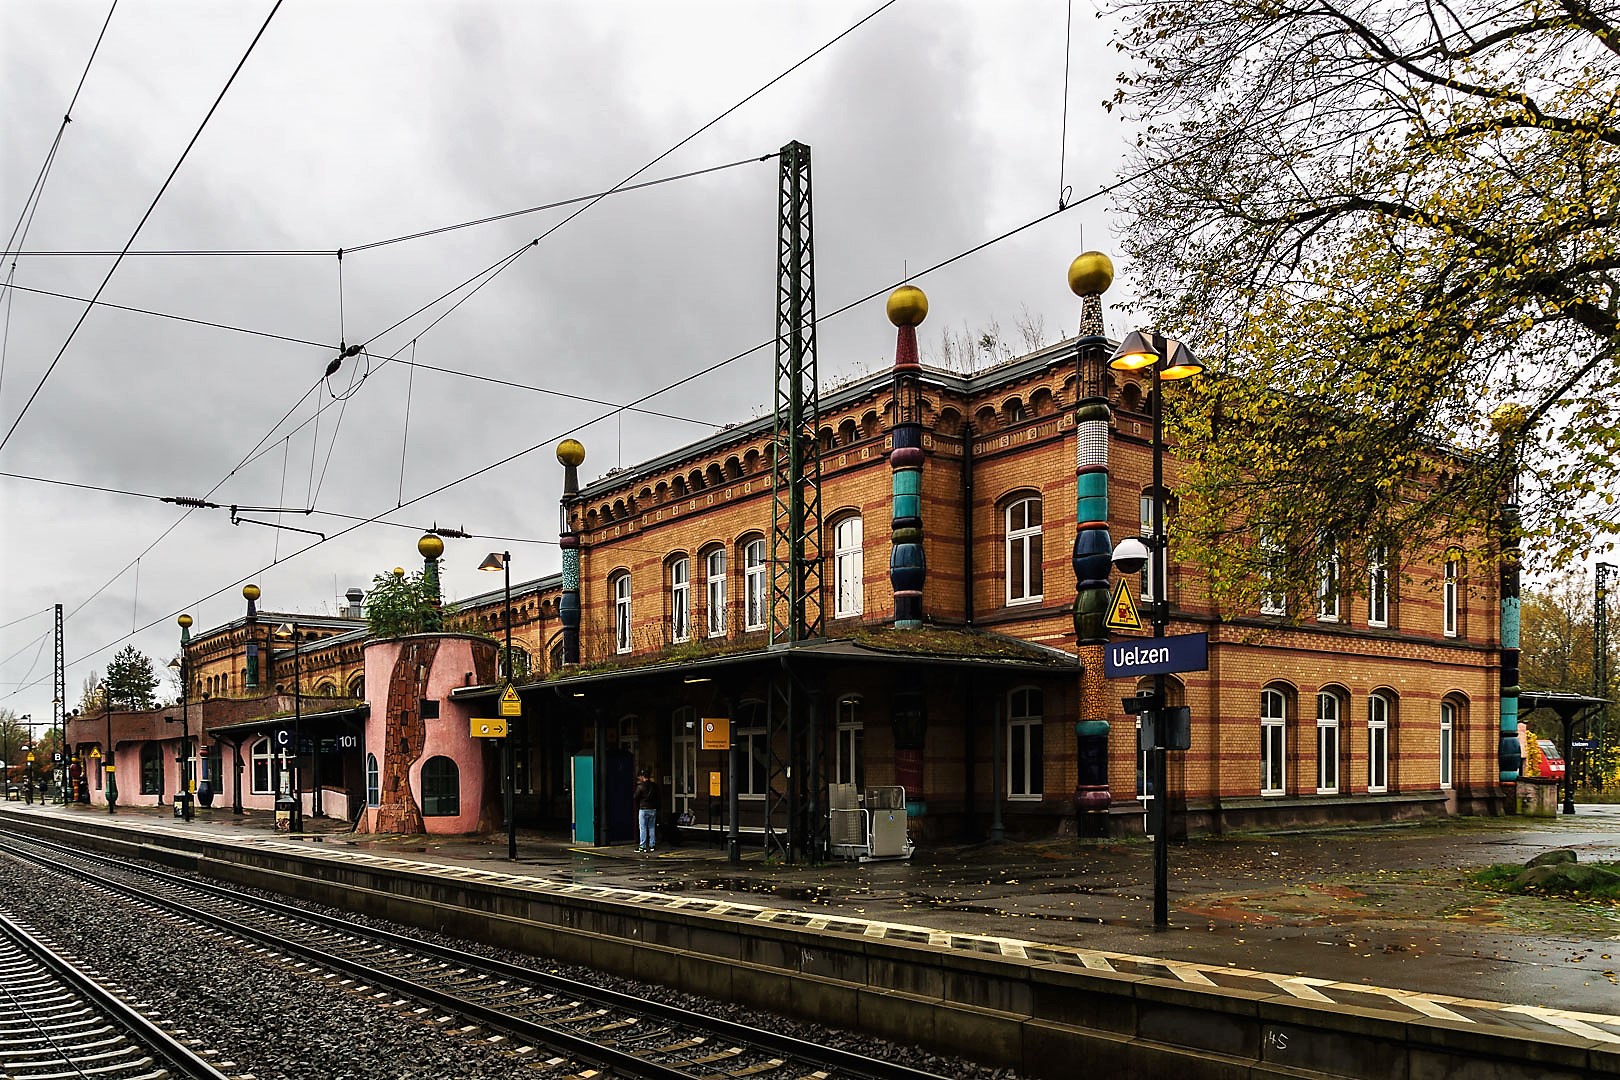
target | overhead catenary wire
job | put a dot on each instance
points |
(113, 269)
(10, 288)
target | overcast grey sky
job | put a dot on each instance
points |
(934, 127)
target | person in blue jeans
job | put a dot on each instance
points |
(646, 800)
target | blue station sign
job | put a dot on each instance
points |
(1155, 656)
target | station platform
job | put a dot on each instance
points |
(1353, 911)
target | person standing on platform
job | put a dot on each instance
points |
(646, 800)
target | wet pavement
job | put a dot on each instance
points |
(1386, 906)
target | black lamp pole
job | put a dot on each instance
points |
(112, 779)
(295, 811)
(503, 562)
(5, 762)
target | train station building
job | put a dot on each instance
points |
(947, 664)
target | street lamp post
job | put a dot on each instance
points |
(293, 804)
(503, 561)
(1170, 360)
(181, 667)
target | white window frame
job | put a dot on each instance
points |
(714, 586)
(1272, 601)
(260, 758)
(683, 745)
(1273, 742)
(848, 567)
(1021, 543)
(680, 599)
(622, 612)
(1328, 708)
(754, 574)
(1378, 712)
(373, 782)
(1327, 583)
(1026, 730)
(849, 761)
(1448, 600)
(1378, 586)
(1150, 571)
(1448, 743)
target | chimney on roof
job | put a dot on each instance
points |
(355, 597)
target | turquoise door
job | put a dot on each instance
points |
(584, 799)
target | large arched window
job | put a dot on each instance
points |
(373, 782)
(754, 571)
(1026, 760)
(620, 585)
(848, 567)
(680, 599)
(357, 685)
(1273, 742)
(714, 590)
(1023, 550)
(1448, 742)
(152, 769)
(441, 788)
(1378, 713)
(1327, 743)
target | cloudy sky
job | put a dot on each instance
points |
(934, 127)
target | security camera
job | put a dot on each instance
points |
(1131, 556)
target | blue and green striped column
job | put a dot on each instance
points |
(570, 454)
(907, 307)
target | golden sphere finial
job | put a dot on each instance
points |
(399, 571)
(1091, 273)
(571, 452)
(250, 592)
(430, 546)
(184, 621)
(907, 306)
(1507, 417)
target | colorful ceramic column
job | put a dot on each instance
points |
(251, 594)
(571, 454)
(1089, 277)
(431, 547)
(907, 308)
(1508, 421)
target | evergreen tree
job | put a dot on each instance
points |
(131, 680)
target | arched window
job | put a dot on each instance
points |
(848, 567)
(152, 769)
(1273, 597)
(621, 612)
(680, 599)
(357, 685)
(1273, 742)
(1448, 740)
(520, 663)
(714, 571)
(754, 571)
(1023, 551)
(1026, 761)
(1378, 586)
(1327, 743)
(1378, 711)
(441, 788)
(373, 781)
(1327, 581)
(261, 763)
(1451, 597)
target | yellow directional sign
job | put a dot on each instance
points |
(1122, 609)
(488, 729)
(716, 733)
(510, 704)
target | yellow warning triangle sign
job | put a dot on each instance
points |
(511, 705)
(1122, 609)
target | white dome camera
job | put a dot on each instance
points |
(1131, 556)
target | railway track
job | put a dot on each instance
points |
(58, 1020)
(572, 1028)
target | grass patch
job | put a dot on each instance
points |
(1568, 880)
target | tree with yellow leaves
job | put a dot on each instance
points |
(1382, 223)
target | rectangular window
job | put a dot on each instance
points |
(1273, 600)
(848, 568)
(621, 613)
(683, 755)
(754, 584)
(1026, 761)
(1023, 552)
(1327, 744)
(715, 585)
(1449, 600)
(1148, 531)
(1377, 744)
(1378, 587)
(1273, 743)
(1448, 728)
(1327, 583)
(680, 600)
(756, 750)
(850, 767)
